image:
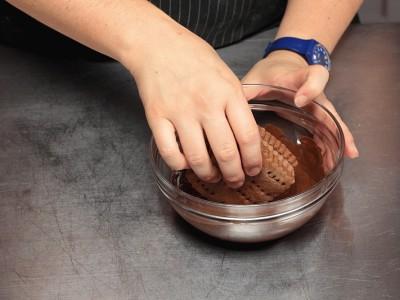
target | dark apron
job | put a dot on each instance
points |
(219, 22)
(223, 22)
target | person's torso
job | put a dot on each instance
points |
(222, 22)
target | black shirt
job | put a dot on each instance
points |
(219, 22)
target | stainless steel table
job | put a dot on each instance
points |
(81, 218)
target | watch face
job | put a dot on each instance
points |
(320, 56)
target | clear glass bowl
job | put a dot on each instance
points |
(267, 221)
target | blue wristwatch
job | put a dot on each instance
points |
(311, 50)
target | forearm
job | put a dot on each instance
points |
(112, 27)
(323, 20)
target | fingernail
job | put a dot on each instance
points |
(356, 152)
(216, 178)
(253, 171)
(300, 100)
(235, 185)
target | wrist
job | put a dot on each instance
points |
(144, 37)
(166, 44)
(286, 56)
(311, 50)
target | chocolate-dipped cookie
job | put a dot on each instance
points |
(276, 176)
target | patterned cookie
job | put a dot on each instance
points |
(276, 177)
(277, 174)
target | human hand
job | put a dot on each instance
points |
(289, 70)
(189, 93)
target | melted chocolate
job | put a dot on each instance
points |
(308, 171)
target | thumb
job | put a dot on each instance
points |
(313, 86)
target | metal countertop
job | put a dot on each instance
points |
(81, 218)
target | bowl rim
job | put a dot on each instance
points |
(284, 201)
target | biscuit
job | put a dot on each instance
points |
(276, 176)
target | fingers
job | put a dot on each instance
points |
(328, 161)
(251, 87)
(247, 135)
(195, 150)
(225, 150)
(351, 150)
(314, 84)
(164, 136)
(252, 91)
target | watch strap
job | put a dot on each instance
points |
(292, 44)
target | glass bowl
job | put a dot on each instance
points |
(271, 220)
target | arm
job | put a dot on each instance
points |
(324, 21)
(186, 89)
(113, 28)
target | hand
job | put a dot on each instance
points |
(189, 93)
(288, 69)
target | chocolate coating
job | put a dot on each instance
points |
(288, 169)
